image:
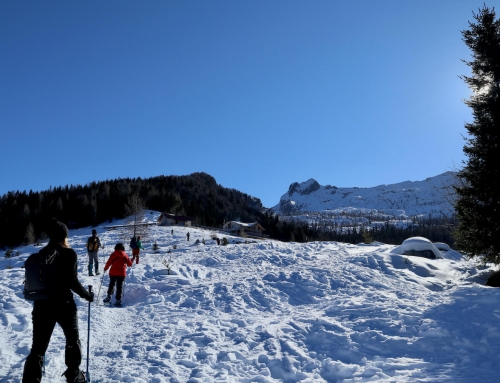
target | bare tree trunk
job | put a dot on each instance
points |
(135, 208)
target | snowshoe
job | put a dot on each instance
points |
(107, 299)
(75, 376)
(118, 303)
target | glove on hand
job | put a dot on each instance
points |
(90, 297)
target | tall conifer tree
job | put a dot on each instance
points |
(478, 190)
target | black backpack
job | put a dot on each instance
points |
(40, 276)
(133, 243)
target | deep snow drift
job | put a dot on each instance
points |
(269, 311)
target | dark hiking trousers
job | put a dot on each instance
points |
(45, 316)
(93, 261)
(119, 286)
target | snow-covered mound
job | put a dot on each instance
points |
(270, 312)
(442, 246)
(418, 246)
(431, 196)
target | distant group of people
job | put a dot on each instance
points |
(59, 306)
(136, 246)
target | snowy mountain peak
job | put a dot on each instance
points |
(428, 197)
(305, 188)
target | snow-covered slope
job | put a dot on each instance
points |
(430, 196)
(271, 312)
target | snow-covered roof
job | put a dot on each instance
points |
(244, 224)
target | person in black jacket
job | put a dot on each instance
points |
(59, 308)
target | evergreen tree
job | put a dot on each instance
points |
(478, 190)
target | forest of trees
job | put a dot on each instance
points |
(436, 230)
(23, 215)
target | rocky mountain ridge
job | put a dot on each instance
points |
(431, 197)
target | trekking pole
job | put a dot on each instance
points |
(99, 292)
(88, 339)
(123, 288)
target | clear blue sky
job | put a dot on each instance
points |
(259, 94)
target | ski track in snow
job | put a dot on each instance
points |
(268, 311)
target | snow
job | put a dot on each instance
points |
(267, 311)
(417, 244)
(409, 198)
(442, 246)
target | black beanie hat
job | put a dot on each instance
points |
(57, 231)
(119, 246)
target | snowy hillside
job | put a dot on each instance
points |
(405, 198)
(268, 311)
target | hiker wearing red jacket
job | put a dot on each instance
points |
(118, 261)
